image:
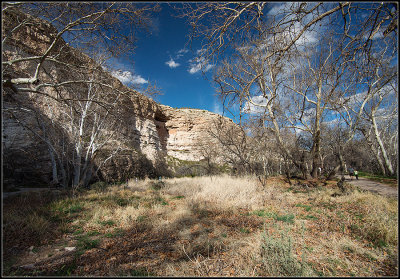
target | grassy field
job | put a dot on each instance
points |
(202, 226)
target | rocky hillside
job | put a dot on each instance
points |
(144, 129)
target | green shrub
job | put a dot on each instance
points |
(65, 207)
(93, 233)
(86, 243)
(75, 208)
(160, 200)
(263, 213)
(122, 202)
(285, 218)
(66, 269)
(113, 200)
(78, 231)
(278, 258)
(306, 207)
(109, 235)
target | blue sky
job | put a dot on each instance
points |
(165, 58)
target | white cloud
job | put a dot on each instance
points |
(293, 27)
(257, 106)
(138, 80)
(277, 8)
(332, 123)
(308, 115)
(172, 64)
(194, 68)
(183, 50)
(127, 77)
(199, 64)
(355, 99)
(308, 37)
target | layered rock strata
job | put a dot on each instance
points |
(146, 128)
(188, 132)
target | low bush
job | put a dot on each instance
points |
(288, 218)
(86, 243)
(278, 258)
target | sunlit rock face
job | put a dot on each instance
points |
(188, 131)
(146, 127)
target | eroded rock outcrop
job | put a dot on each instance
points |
(187, 129)
(145, 127)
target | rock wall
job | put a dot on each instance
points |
(147, 127)
(188, 131)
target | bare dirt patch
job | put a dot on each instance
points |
(373, 186)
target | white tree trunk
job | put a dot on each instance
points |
(387, 161)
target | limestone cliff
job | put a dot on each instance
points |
(145, 127)
(187, 129)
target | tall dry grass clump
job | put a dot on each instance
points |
(380, 215)
(223, 191)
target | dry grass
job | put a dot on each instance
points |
(221, 191)
(213, 226)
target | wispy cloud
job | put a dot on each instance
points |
(277, 8)
(127, 77)
(293, 27)
(172, 64)
(199, 64)
(217, 108)
(137, 79)
(377, 35)
(181, 52)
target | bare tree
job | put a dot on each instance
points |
(372, 109)
(86, 124)
(232, 145)
(221, 25)
(67, 86)
(260, 44)
(86, 26)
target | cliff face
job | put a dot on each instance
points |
(146, 128)
(188, 131)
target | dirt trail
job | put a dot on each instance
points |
(373, 186)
